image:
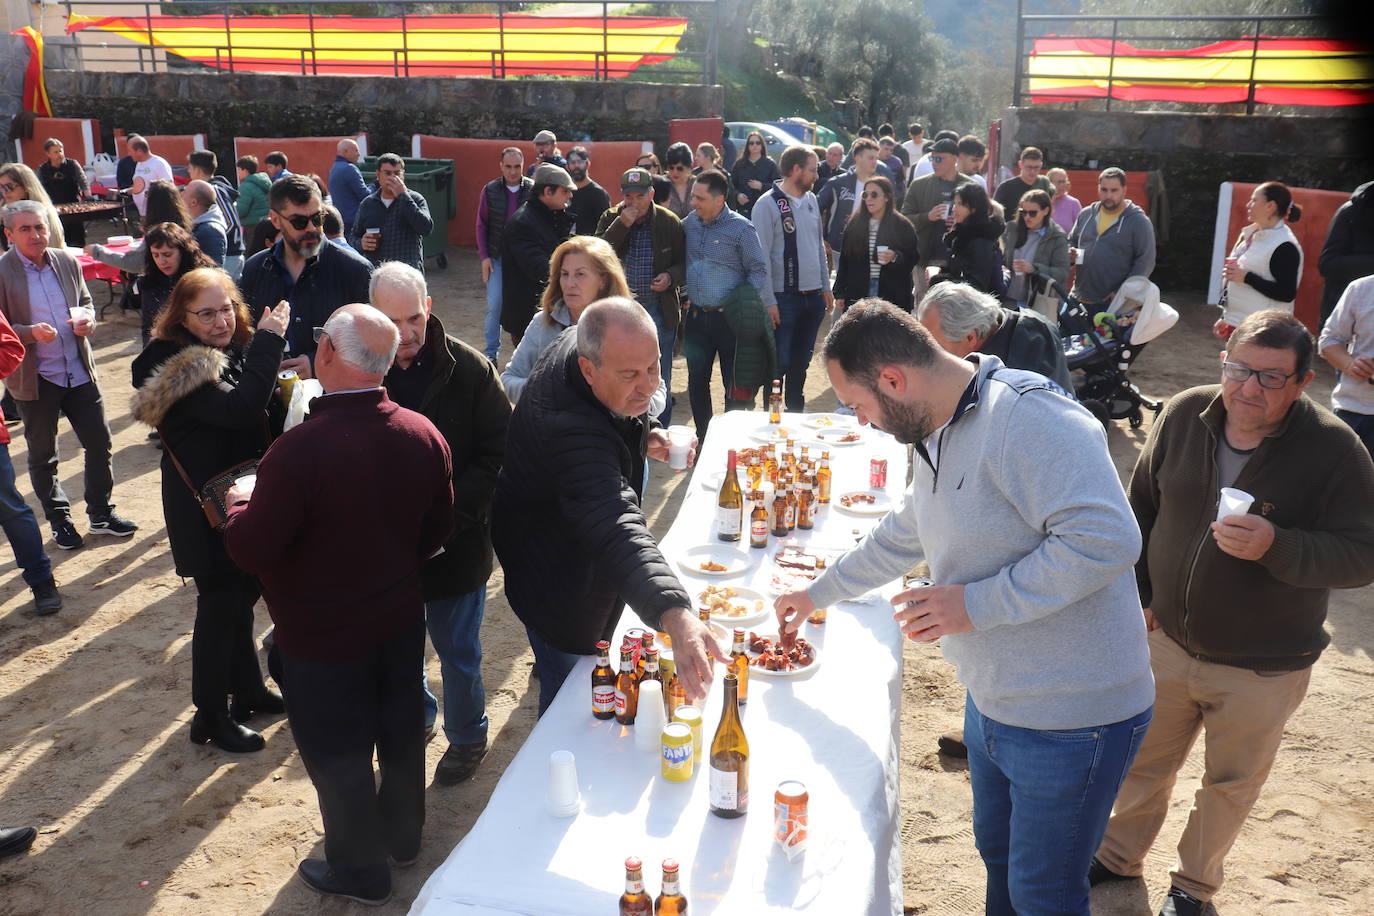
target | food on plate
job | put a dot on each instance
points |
(788, 654)
(851, 499)
(823, 421)
(849, 437)
(797, 561)
(722, 600)
(712, 566)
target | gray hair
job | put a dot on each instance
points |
(604, 314)
(10, 213)
(347, 339)
(962, 309)
(398, 275)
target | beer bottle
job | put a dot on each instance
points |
(670, 902)
(647, 642)
(730, 504)
(704, 614)
(791, 504)
(650, 672)
(823, 480)
(729, 761)
(603, 683)
(805, 457)
(805, 507)
(775, 403)
(739, 663)
(674, 694)
(626, 690)
(758, 523)
(635, 902)
(780, 513)
(770, 465)
(789, 457)
(755, 471)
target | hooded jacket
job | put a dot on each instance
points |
(1127, 249)
(211, 233)
(975, 257)
(252, 202)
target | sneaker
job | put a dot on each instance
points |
(46, 599)
(459, 763)
(64, 535)
(1179, 903)
(951, 744)
(113, 524)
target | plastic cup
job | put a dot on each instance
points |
(679, 446)
(650, 717)
(247, 481)
(564, 798)
(1233, 502)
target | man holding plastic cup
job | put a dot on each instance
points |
(1235, 604)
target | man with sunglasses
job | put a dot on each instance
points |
(929, 203)
(1235, 606)
(315, 276)
(392, 222)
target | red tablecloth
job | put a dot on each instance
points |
(92, 269)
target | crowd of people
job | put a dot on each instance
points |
(946, 297)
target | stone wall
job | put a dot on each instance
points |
(223, 106)
(1196, 153)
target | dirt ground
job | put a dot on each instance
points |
(95, 706)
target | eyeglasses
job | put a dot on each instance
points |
(1268, 378)
(872, 195)
(1030, 213)
(301, 220)
(317, 333)
(208, 316)
(7, 187)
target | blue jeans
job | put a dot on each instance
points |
(21, 526)
(706, 335)
(1041, 799)
(491, 325)
(552, 666)
(667, 336)
(1362, 423)
(799, 318)
(455, 628)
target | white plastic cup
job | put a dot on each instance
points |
(650, 717)
(1233, 502)
(246, 482)
(679, 446)
(564, 798)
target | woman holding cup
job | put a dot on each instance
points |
(582, 270)
(1036, 251)
(1263, 268)
(877, 251)
(206, 382)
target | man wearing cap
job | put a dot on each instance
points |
(500, 199)
(546, 151)
(538, 227)
(653, 248)
(590, 200)
(929, 204)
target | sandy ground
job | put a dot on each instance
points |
(95, 703)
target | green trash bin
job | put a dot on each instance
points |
(433, 179)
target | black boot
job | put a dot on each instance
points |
(219, 729)
(263, 702)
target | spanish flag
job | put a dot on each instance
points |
(35, 92)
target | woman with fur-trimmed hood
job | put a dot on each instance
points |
(206, 383)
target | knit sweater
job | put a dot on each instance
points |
(338, 545)
(1311, 478)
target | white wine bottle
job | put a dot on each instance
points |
(730, 504)
(729, 761)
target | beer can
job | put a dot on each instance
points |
(286, 380)
(635, 637)
(667, 664)
(877, 474)
(677, 752)
(691, 717)
(790, 817)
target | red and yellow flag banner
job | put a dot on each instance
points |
(35, 90)
(461, 45)
(1287, 71)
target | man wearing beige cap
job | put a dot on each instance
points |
(1235, 606)
(537, 228)
(546, 151)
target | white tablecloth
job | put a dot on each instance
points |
(835, 729)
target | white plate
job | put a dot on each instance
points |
(836, 437)
(881, 505)
(829, 421)
(115, 241)
(735, 561)
(798, 672)
(745, 596)
(771, 433)
(712, 481)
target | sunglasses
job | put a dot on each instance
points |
(1025, 212)
(873, 195)
(301, 220)
(7, 187)
(938, 158)
(756, 143)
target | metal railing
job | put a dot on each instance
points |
(693, 60)
(1255, 30)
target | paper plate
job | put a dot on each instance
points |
(734, 560)
(881, 505)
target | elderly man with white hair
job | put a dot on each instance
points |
(567, 522)
(964, 320)
(338, 546)
(457, 388)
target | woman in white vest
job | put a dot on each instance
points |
(1266, 262)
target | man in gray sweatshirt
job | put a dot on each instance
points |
(1111, 240)
(1018, 510)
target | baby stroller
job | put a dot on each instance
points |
(1100, 348)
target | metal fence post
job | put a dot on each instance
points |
(1020, 54)
(1254, 55)
(1111, 65)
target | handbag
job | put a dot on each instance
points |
(211, 496)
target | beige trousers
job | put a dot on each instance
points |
(1243, 714)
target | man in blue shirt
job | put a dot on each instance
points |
(346, 186)
(723, 252)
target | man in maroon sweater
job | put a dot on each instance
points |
(348, 607)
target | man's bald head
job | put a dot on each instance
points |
(349, 149)
(617, 349)
(361, 345)
(201, 192)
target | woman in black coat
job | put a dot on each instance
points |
(753, 174)
(878, 250)
(974, 242)
(169, 254)
(207, 383)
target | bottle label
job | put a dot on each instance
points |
(758, 530)
(669, 887)
(604, 698)
(634, 885)
(790, 516)
(728, 520)
(619, 702)
(724, 789)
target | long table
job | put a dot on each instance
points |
(835, 728)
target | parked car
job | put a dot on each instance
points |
(775, 140)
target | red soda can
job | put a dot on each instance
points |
(877, 474)
(790, 804)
